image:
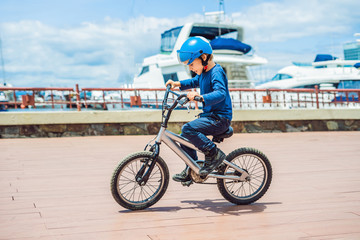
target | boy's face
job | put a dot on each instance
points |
(196, 66)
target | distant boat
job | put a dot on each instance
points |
(326, 72)
(229, 51)
(3, 101)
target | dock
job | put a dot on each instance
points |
(59, 188)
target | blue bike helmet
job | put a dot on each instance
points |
(193, 48)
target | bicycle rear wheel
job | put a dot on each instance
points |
(257, 165)
(128, 192)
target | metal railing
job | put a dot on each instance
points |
(22, 97)
(129, 98)
(294, 98)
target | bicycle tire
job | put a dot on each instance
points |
(243, 193)
(124, 188)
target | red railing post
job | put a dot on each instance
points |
(284, 99)
(15, 100)
(240, 99)
(52, 99)
(70, 103)
(317, 96)
(34, 98)
(156, 100)
(255, 99)
(104, 105)
(122, 99)
(78, 98)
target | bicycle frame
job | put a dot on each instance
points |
(171, 139)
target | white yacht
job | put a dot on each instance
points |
(326, 72)
(229, 51)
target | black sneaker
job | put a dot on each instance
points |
(212, 162)
(183, 176)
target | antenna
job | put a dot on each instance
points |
(221, 6)
(218, 16)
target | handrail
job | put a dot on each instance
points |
(125, 98)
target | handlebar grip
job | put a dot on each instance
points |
(198, 99)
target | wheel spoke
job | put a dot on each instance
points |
(129, 189)
(255, 167)
(129, 179)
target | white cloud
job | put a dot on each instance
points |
(91, 54)
(101, 54)
(286, 20)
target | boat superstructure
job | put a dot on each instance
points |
(326, 72)
(229, 51)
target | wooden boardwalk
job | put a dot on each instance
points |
(58, 188)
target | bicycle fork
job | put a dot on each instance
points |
(142, 177)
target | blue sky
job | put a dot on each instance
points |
(101, 43)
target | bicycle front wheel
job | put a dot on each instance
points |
(128, 192)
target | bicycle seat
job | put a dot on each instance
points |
(220, 138)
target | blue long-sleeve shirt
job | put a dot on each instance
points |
(214, 89)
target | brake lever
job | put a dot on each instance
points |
(199, 99)
(183, 102)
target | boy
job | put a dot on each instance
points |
(196, 52)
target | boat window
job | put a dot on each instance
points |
(145, 69)
(233, 35)
(172, 76)
(213, 32)
(168, 39)
(311, 86)
(349, 84)
(2, 95)
(281, 76)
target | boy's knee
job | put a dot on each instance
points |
(186, 129)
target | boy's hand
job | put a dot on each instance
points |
(192, 95)
(173, 84)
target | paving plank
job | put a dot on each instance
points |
(58, 188)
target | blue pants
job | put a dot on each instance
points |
(197, 130)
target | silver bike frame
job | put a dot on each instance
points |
(171, 139)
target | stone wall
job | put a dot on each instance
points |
(101, 129)
(100, 123)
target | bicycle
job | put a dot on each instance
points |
(141, 179)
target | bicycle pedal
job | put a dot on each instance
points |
(187, 183)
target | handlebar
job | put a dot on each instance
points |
(181, 99)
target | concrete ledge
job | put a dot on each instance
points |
(100, 123)
(296, 114)
(153, 116)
